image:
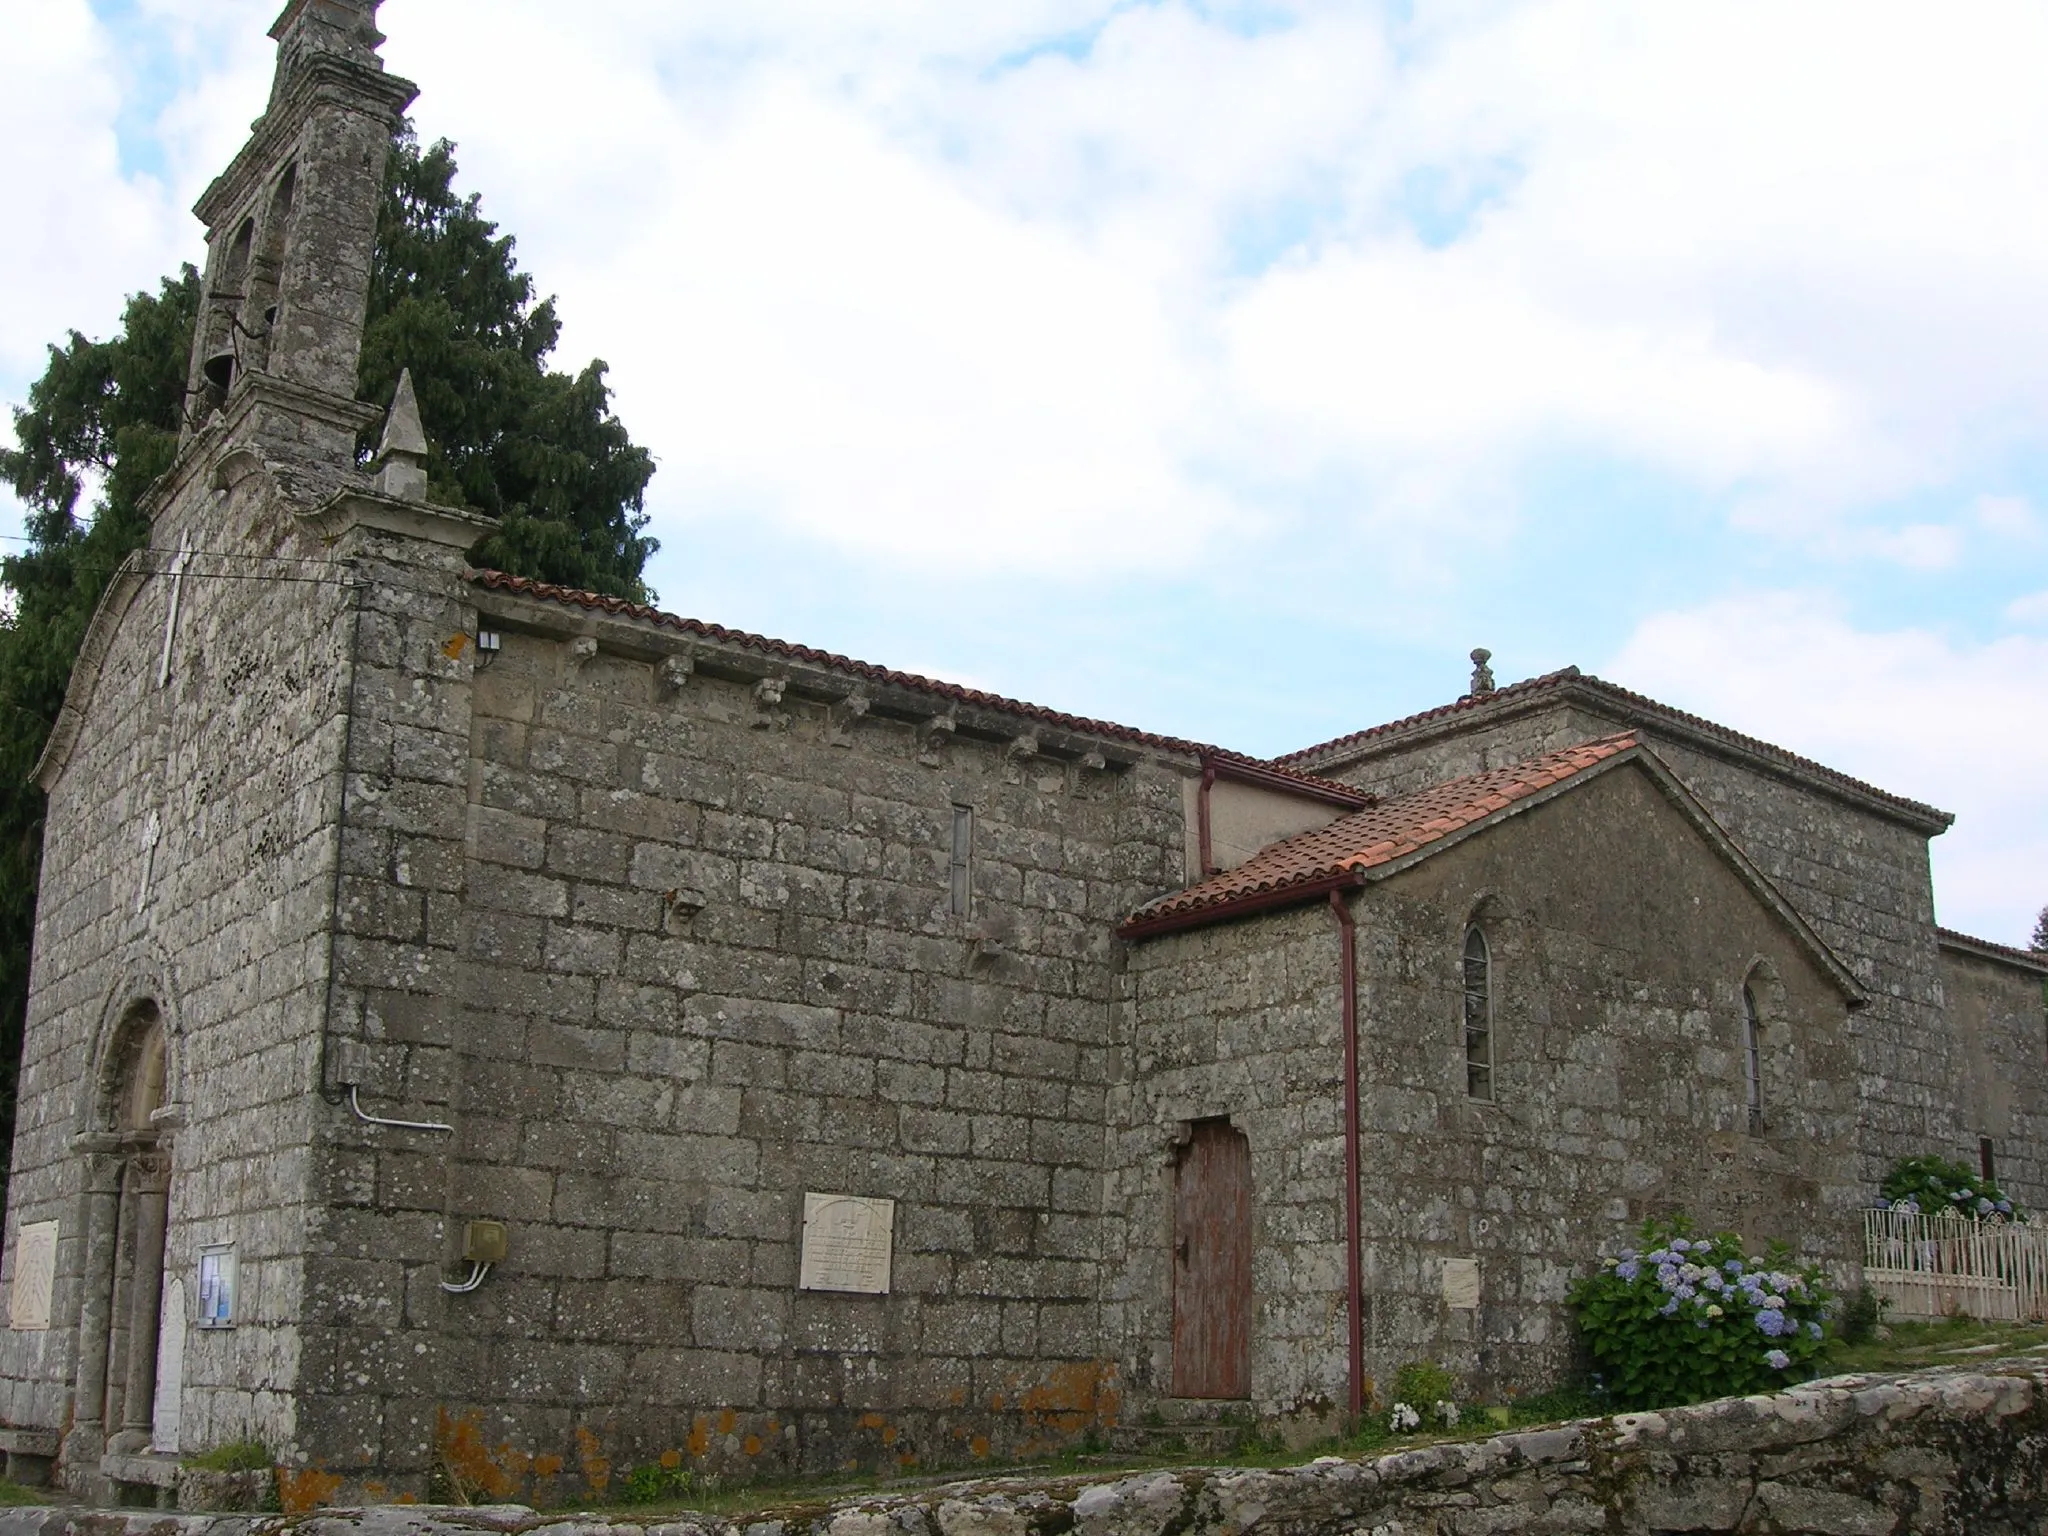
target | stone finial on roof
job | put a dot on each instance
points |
(401, 456)
(1482, 674)
(347, 28)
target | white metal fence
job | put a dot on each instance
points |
(1945, 1265)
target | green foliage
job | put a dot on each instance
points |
(656, 1482)
(1931, 1184)
(102, 418)
(539, 450)
(235, 1456)
(1425, 1396)
(1861, 1316)
(2040, 938)
(1687, 1318)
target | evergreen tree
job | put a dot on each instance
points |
(2040, 939)
(538, 450)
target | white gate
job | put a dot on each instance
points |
(1932, 1267)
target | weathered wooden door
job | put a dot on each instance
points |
(1212, 1264)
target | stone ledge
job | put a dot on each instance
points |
(1944, 1450)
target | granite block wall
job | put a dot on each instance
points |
(188, 865)
(669, 956)
(1855, 870)
(1621, 942)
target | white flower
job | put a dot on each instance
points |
(1403, 1419)
(1448, 1412)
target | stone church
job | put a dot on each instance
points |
(485, 1037)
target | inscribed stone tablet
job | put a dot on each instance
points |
(847, 1241)
(1461, 1283)
(35, 1274)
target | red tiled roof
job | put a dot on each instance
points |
(1248, 767)
(1310, 863)
(1648, 711)
(2028, 959)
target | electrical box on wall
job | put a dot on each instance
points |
(483, 1242)
(217, 1286)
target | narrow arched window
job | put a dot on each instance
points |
(1478, 1016)
(1752, 1060)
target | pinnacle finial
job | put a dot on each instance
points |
(401, 456)
(346, 28)
(1482, 674)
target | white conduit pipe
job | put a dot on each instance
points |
(355, 1103)
(476, 1278)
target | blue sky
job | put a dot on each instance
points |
(1233, 370)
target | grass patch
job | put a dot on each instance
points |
(1919, 1346)
(15, 1493)
(235, 1456)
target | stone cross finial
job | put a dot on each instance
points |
(402, 455)
(1482, 674)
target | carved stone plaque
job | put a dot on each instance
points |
(1461, 1283)
(35, 1275)
(847, 1243)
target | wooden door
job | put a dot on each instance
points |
(1212, 1264)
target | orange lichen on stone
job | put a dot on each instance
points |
(469, 1461)
(305, 1490)
(871, 1421)
(671, 1459)
(907, 1459)
(979, 1446)
(700, 1436)
(1073, 1396)
(751, 1445)
(726, 1419)
(597, 1468)
(407, 1498)
(889, 1435)
(547, 1466)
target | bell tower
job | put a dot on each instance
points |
(290, 228)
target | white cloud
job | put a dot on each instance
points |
(1960, 725)
(2032, 609)
(1088, 286)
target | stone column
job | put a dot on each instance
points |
(151, 1172)
(102, 1211)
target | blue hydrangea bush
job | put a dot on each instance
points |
(1681, 1319)
(1928, 1186)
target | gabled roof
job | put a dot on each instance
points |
(2003, 954)
(1399, 833)
(1633, 709)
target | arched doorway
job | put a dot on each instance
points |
(128, 1183)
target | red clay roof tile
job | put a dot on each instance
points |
(1312, 862)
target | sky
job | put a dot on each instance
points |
(1232, 369)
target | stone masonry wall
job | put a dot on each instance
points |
(671, 954)
(1859, 877)
(2000, 1024)
(221, 926)
(1958, 1452)
(1620, 942)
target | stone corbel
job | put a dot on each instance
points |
(933, 736)
(582, 651)
(844, 716)
(679, 906)
(675, 673)
(1023, 748)
(1094, 760)
(768, 715)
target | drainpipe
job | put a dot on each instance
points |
(1354, 1286)
(1205, 852)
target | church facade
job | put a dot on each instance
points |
(485, 1036)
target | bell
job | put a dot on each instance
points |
(219, 369)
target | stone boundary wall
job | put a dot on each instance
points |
(1961, 1450)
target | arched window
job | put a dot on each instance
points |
(1752, 1060)
(1478, 1016)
